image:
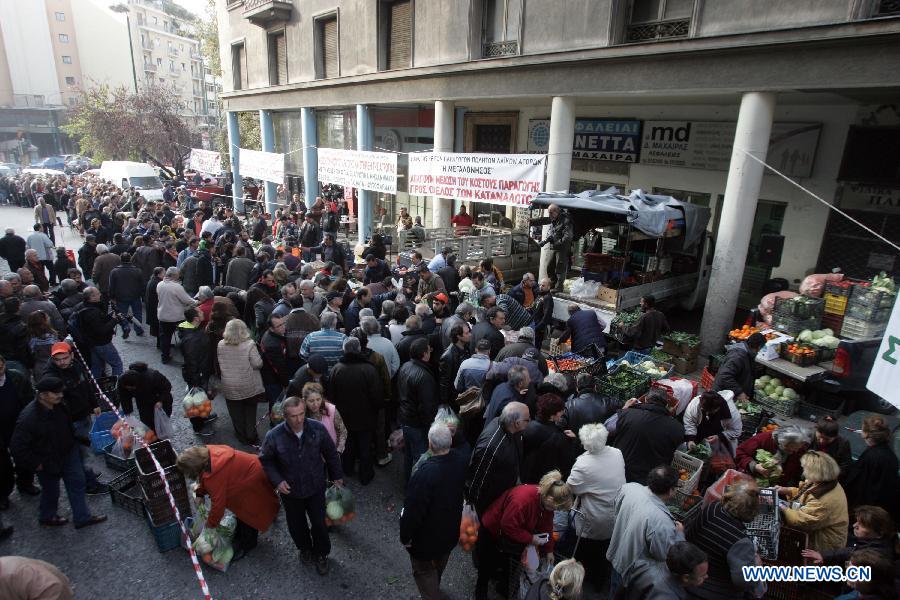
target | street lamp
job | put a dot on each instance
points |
(122, 8)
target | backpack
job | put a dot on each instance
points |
(73, 325)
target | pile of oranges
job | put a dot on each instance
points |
(769, 427)
(204, 410)
(743, 333)
(800, 350)
(468, 532)
(683, 474)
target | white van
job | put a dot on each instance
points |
(126, 174)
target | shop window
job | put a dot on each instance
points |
(395, 34)
(652, 20)
(500, 23)
(278, 68)
(327, 47)
(239, 66)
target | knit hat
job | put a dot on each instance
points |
(317, 363)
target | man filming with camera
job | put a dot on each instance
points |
(93, 333)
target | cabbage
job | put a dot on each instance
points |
(334, 510)
(765, 379)
(790, 394)
(828, 332)
(779, 390)
(776, 382)
(816, 335)
(831, 342)
(805, 336)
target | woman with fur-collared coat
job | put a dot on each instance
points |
(819, 506)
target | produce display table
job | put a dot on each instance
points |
(786, 367)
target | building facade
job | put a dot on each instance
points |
(640, 94)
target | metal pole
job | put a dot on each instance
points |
(234, 154)
(131, 50)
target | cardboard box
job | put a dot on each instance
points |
(682, 350)
(771, 350)
(685, 366)
(607, 295)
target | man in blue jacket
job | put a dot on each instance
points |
(292, 456)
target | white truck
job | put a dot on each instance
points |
(128, 174)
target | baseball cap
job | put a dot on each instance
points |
(60, 348)
(443, 298)
(531, 354)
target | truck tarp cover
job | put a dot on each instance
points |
(647, 213)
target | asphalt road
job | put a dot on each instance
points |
(119, 559)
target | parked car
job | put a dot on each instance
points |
(11, 168)
(56, 163)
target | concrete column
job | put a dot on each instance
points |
(365, 137)
(234, 154)
(754, 127)
(559, 156)
(310, 140)
(267, 137)
(443, 142)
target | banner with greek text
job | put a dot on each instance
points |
(267, 166)
(511, 179)
(884, 379)
(375, 171)
(205, 161)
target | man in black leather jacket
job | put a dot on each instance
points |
(587, 406)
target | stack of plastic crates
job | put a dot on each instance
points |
(750, 423)
(688, 465)
(765, 528)
(868, 311)
(793, 315)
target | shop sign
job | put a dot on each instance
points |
(863, 196)
(376, 171)
(205, 161)
(884, 379)
(510, 179)
(538, 136)
(707, 145)
(267, 166)
(616, 140)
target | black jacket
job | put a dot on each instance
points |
(542, 311)
(485, 329)
(14, 339)
(736, 372)
(494, 466)
(15, 394)
(432, 508)
(78, 396)
(417, 392)
(544, 448)
(584, 328)
(450, 276)
(356, 392)
(839, 450)
(299, 462)
(302, 377)
(873, 479)
(195, 346)
(12, 248)
(126, 283)
(647, 437)
(151, 301)
(273, 349)
(449, 367)
(42, 438)
(87, 254)
(97, 327)
(406, 342)
(152, 387)
(588, 407)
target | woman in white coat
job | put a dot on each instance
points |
(713, 415)
(595, 479)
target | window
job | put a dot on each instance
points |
(63, 38)
(166, 25)
(278, 72)
(171, 65)
(158, 62)
(659, 19)
(70, 81)
(60, 16)
(395, 23)
(38, 100)
(327, 47)
(239, 66)
(500, 21)
(183, 67)
(67, 60)
(155, 21)
(72, 100)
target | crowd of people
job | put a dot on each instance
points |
(353, 362)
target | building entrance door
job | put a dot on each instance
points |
(492, 133)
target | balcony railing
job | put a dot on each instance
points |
(150, 67)
(498, 49)
(266, 13)
(659, 30)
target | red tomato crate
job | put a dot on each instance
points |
(706, 379)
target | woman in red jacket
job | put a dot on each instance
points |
(520, 517)
(788, 444)
(235, 481)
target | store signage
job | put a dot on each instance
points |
(511, 179)
(616, 140)
(376, 171)
(607, 139)
(205, 161)
(708, 145)
(266, 166)
(863, 196)
(884, 379)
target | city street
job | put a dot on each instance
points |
(119, 558)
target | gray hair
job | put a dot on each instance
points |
(439, 438)
(413, 322)
(12, 277)
(370, 325)
(31, 291)
(31, 252)
(205, 292)
(790, 434)
(328, 320)
(351, 345)
(423, 310)
(172, 272)
(306, 271)
(102, 248)
(307, 283)
(517, 375)
(559, 381)
(512, 413)
(366, 312)
(593, 437)
(68, 285)
(387, 307)
(464, 309)
(288, 289)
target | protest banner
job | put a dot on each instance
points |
(375, 171)
(267, 166)
(510, 179)
(205, 161)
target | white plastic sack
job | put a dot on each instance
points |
(585, 289)
(683, 390)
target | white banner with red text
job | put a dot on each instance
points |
(375, 171)
(267, 166)
(510, 179)
(205, 161)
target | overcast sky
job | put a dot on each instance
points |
(198, 7)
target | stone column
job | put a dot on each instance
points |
(365, 136)
(310, 140)
(754, 127)
(443, 142)
(267, 138)
(559, 158)
(234, 154)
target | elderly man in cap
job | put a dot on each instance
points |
(430, 284)
(44, 442)
(333, 302)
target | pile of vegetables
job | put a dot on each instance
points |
(626, 378)
(569, 363)
(196, 403)
(822, 338)
(748, 408)
(682, 338)
(883, 283)
(701, 451)
(769, 462)
(276, 415)
(627, 317)
(686, 504)
(659, 355)
(339, 506)
(213, 546)
(743, 333)
(802, 351)
(773, 388)
(652, 369)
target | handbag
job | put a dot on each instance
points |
(471, 402)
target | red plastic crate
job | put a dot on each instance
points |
(706, 379)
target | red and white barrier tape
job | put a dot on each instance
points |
(186, 538)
